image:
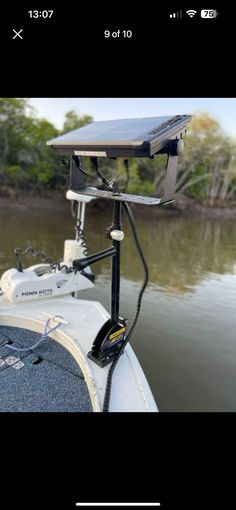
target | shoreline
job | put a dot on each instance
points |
(182, 207)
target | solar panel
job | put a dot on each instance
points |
(140, 137)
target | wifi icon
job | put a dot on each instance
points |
(191, 13)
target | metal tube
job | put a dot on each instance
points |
(78, 219)
(115, 282)
(82, 214)
(80, 264)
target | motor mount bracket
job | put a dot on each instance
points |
(108, 342)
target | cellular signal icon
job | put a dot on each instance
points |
(177, 14)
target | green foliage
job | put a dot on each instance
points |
(208, 167)
(72, 121)
(25, 160)
(13, 175)
(207, 170)
(141, 188)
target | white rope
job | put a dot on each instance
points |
(43, 337)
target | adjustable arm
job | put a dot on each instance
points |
(79, 264)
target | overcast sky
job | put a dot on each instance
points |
(54, 109)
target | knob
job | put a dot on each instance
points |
(117, 235)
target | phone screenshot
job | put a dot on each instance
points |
(117, 255)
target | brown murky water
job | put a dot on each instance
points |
(186, 334)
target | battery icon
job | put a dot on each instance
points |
(209, 13)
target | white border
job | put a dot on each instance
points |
(118, 504)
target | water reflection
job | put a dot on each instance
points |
(181, 253)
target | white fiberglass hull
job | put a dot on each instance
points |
(130, 389)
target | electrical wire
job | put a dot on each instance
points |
(33, 253)
(126, 163)
(77, 162)
(57, 265)
(45, 258)
(82, 238)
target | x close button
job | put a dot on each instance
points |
(17, 34)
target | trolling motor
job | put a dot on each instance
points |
(50, 278)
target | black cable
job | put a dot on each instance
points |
(77, 162)
(145, 268)
(83, 245)
(82, 237)
(45, 258)
(139, 301)
(126, 162)
(33, 253)
(57, 265)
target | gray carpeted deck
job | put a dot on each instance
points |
(49, 381)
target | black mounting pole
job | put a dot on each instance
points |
(115, 281)
(111, 336)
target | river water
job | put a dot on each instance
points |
(186, 335)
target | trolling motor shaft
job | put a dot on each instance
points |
(110, 338)
(111, 335)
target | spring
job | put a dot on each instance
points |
(45, 258)
(82, 238)
(57, 265)
(33, 253)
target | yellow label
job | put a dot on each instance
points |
(116, 333)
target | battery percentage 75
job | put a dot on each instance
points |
(209, 13)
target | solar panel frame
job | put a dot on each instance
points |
(159, 130)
